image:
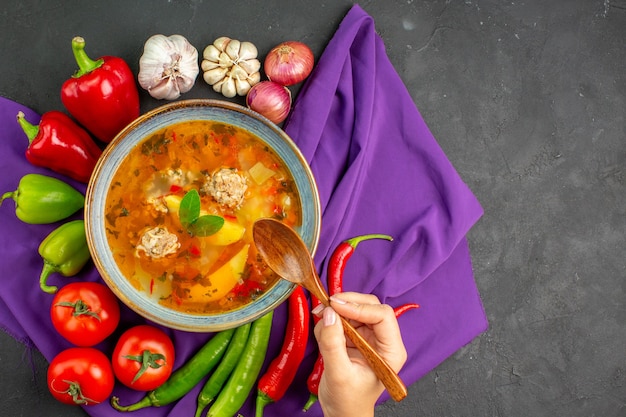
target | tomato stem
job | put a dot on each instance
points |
(80, 309)
(148, 360)
(74, 391)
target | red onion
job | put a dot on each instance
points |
(270, 99)
(289, 63)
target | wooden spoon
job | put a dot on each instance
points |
(286, 254)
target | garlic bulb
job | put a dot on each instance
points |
(168, 66)
(231, 66)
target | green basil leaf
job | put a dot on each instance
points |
(189, 209)
(206, 225)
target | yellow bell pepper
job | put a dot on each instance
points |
(222, 280)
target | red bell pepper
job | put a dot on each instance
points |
(102, 94)
(59, 144)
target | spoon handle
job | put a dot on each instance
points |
(390, 379)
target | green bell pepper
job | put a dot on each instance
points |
(40, 199)
(64, 251)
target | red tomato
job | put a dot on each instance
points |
(143, 358)
(81, 376)
(85, 313)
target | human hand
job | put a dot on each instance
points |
(348, 386)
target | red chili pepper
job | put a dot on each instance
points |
(246, 288)
(339, 258)
(175, 188)
(313, 381)
(400, 310)
(195, 251)
(282, 370)
(59, 144)
(102, 94)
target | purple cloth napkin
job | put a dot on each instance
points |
(379, 170)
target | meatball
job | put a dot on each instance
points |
(227, 187)
(158, 242)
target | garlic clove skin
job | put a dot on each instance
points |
(242, 86)
(209, 65)
(238, 73)
(251, 66)
(247, 51)
(165, 90)
(225, 60)
(220, 43)
(214, 75)
(232, 49)
(211, 53)
(254, 79)
(168, 66)
(229, 89)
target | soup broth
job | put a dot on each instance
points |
(237, 178)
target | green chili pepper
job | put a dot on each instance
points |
(215, 382)
(184, 378)
(64, 251)
(247, 370)
(40, 199)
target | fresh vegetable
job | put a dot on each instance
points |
(289, 63)
(339, 258)
(64, 251)
(85, 313)
(102, 94)
(313, 381)
(168, 66)
(282, 370)
(60, 144)
(184, 378)
(231, 66)
(270, 99)
(223, 279)
(80, 376)
(216, 381)
(241, 381)
(400, 310)
(143, 357)
(40, 199)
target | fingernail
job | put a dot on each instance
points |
(318, 309)
(338, 300)
(329, 317)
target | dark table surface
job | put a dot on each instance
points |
(528, 100)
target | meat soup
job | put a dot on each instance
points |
(236, 177)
